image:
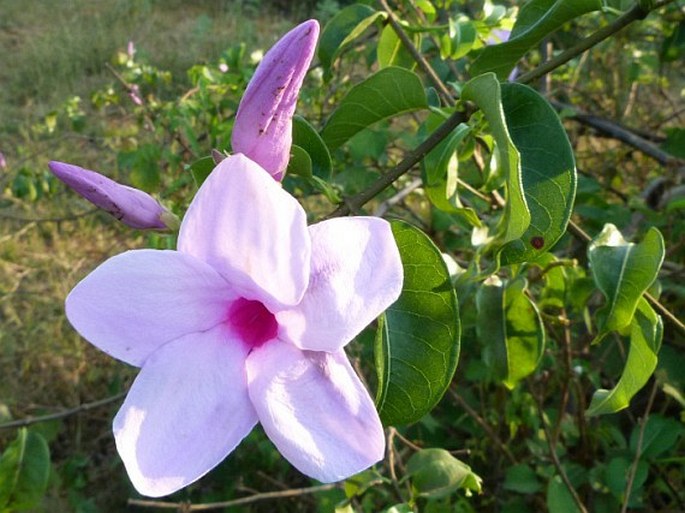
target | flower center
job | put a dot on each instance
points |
(253, 323)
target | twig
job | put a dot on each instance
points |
(61, 414)
(638, 449)
(486, 427)
(355, 202)
(235, 502)
(637, 12)
(418, 57)
(391, 202)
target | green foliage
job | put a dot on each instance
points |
(417, 344)
(24, 472)
(435, 474)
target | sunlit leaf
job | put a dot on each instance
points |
(435, 473)
(24, 471)
(536, 19)
(623, 271)
(389, 92)
(417, 344)
(547, 167)
(391, 51)
(344, 28)
(485, 92)
(646, 334)
(510, 329)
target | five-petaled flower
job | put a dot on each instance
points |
(244, 323)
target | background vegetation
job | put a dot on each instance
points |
(69, 80)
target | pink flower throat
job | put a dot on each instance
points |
(252, 322)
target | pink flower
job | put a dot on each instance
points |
(134, 94)
(245, 323)
(3, 162)
(132, 207)
(263, 124)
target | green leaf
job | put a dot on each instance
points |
(463, 35)
(645, 339)
(389, 92)
(485, 92)
(391, 51)
(660, 435)
(300, 163)
(521, 479)
(435, 473)
(306, 137)
(548, 171)
(200, 169)
(559, 499)
(510, 328)
(536, 19)
(417, 344)
(344, 28)
(623, 271)
(24, 471)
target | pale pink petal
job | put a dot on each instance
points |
(139, 300)
(246, 226)
(356, 273)
(186, 411)
(315, 409)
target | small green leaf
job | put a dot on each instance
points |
(200, 169)
(660, 435)
(510, 328)
(463, 34)
(306, 137)
(548, 171)
(485, 92)
(389, 92)
(645, 339)
(400, 508)
(536, 19)
(435, 473)
(559, 499)
(344, 28)
(391, 51)
(300, 163)
(24, 471)
(417, 344)
(521, 479)
(623, 271)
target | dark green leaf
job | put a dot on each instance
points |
(389, 92)
(645, 339)
(435, 473)
(521, 479)
(343, 28)
(200, 169)
(485, 92)
(623, 271)
(300, 163)
(510, 329)
(24, 471)
(547, 167)
(417, 345)
(536, 19)
(559, 498)
(660, 435)
(307, 138)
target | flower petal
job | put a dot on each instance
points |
(356, 273)
(315, 409)
(186, 411)
(139, 300)
(246, 226)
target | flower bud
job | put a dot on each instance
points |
(132, 207)
(263, 125)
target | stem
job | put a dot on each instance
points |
(60, 415)
(181, 506)
(418, 57)
(355, 202)
(635, 13)
(638, 449)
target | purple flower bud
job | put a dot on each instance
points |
(134, 94)
(3, 162)
(263, 124)
(132, 207)
(131, 49)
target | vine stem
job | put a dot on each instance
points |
(418, 57)
(638, 449)
(61, 414)
(184, 506)
(353, 203)
(637, 12)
